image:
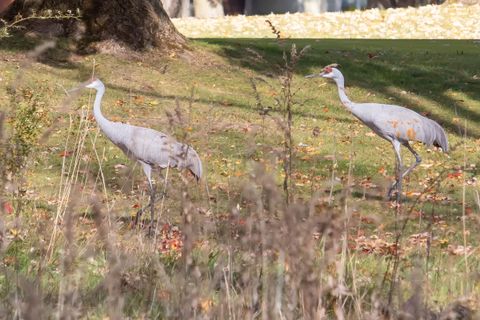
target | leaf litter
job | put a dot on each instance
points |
(448, 21)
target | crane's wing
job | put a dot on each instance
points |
(156, 148)
(394, 122)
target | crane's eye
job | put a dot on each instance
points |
(328, 69)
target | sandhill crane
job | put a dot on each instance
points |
(152, 149)
(396, 124)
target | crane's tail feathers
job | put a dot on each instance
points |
(194, 174)
(441, 139)
(195, 164)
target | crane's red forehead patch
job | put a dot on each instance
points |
(327, 69)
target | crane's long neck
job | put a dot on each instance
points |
(97, 112)
(341, 92)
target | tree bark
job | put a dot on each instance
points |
(233, 7)
(185, 12)
(4, 5)
(172, 7)
(138, 24)
(208, 8)
(177, 8)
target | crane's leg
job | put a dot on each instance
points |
(417, 160)
(398, 169)
(147, 169)
(152, 208)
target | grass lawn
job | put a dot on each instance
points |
(220, 252)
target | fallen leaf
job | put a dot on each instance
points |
(138, 99)
(65, 154)
(8, 207)
(238, 174)
(459, 250)
(206, 304)
(454, 175)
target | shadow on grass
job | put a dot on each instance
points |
(426, 68)
(219, 102)
(56, 57)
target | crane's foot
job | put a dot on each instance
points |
(151, 229)
(138, 215)
(151, 226)
(140, 212)
(138, 222)
(137, 219)
(392, 192)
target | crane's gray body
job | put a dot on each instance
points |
(152, 149)
(393, 122)
(396, 124)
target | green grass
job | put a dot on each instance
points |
(439, 78)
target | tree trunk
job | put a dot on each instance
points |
(172, 7)
(312, 6)
(185, 10)
(233, 7)
(138, 24)
(177, 8)
(272, 6)
(208, 8)
(4, 5)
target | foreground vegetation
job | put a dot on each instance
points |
(230, 247)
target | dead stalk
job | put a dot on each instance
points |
(464, 217)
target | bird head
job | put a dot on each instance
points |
(94, 83)
(330, 72)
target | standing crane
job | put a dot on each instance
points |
(152, 149)
(396, 124)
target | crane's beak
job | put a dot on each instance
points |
(74, 90)
(79, 87)
(315, 75)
